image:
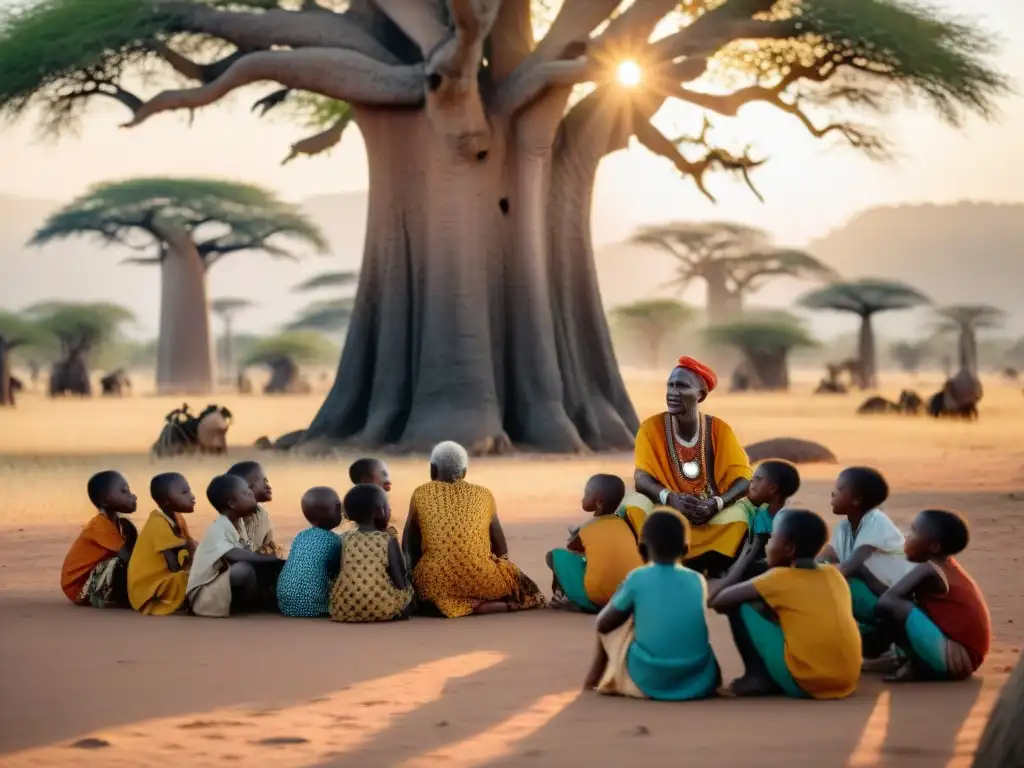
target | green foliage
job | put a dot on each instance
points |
(80, 326)
(653, 315)
(251, 214)
(328, 316)
(327, 280)
(762, 333)
(306, 347)
(864, 297)
(16, 330)
(54, 49)
(958, 318)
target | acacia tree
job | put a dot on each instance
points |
(765, 340)
(733, 260)
(191, 224)
(478, 315)
(226, 308)
(865, 298)
(966, 321)
(284, 353)
(652, 321)
(15, 332)
(79, 329)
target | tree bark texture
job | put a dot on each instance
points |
(771, 370)
(1002, 742)
(478, 317)
(6, 395)
(967, 350)
(184, 351)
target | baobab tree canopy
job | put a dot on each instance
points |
(478, 316)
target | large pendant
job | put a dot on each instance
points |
(691, 470)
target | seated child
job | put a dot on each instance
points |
(805, 643)
(370, 472)
(158, 570)
(95, 571)
(373, 584)
(226, 576)
(305, 580)
(936, 612)
(256, 530)
(867, 546)
(653, 634)
(774, 482)
(599, 554)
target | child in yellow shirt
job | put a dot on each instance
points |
(793, 625)
(601, 552)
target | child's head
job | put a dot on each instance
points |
(231, 496)
(603, 494)
(108, 491)
(798, 534)
(370, 472)
(172, 493)
(936, 534)
(665, 537)
(367, 504)
(253, 474)
(773, 480)
(859, 490)
(322, 508)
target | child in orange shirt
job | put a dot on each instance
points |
(601, 552)
(95, 570)
(793, 625)
(936, 612)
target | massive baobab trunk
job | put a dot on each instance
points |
(1002, 743)
(866, 370)
(478, 316)
(184, 352)
(769, 370)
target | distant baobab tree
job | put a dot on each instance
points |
(651, 321)
(186, 226)
(733, 261)
(227, 308)
(16, 331)
(478, 316)
(765, 339)
(966, 321)
(865, 298)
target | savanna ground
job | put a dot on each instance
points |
(115, 688)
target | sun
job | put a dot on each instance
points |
(629, 74)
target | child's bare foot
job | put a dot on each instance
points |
(888, 663)
(750, 685)
(905, 674)
(497, 606)
(562, 603)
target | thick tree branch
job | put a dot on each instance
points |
(422, 22)
(204, 73)
(575, 21)
(104, 88)
(632, 28)
(320, 142)
(714, 158)
(511, 38)
(342, 75)
(521, 89)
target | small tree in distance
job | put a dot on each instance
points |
(966, 321)
(765, 339)
(650, 321)
(15, 332)
(226, 308)
(284, 353)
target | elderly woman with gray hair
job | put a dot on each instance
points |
(456, 547)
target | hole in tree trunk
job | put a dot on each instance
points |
(503, 204)
(433, 81)
(481, 155)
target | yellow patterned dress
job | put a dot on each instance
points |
(458, 571)
(363, 590)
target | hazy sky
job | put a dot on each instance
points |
(809, 187)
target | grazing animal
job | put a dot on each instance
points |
(910, 402)
(116, 384)
(939, 407)
(791, 449)
(875, 405)
(958, 399)
(186, 433)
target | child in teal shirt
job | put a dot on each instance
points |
(653, 636)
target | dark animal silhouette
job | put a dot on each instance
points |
(793, 449)
(958, 398)
(185, 433)
(116, 384)
(876, 405)
(70, 377)
(938, 407)
(910, 403)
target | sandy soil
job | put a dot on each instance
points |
(114, 689)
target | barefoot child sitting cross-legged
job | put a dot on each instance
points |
(937, 613)
(95, 571)
(373, 584)
(158, 570)
(601, 552)
(305, 581)
(653, 634)
(793, 625)
(226, 577)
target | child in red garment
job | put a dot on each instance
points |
(936, 612)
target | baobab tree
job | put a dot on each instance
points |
(765, 339)
(865, 298)
(651, 321)
(186, 226)
(226, 309)
(733, 260)
(478, 315)
(284, 353)
(16, 331)
(966, 321)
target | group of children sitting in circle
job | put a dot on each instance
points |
(808, 612)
